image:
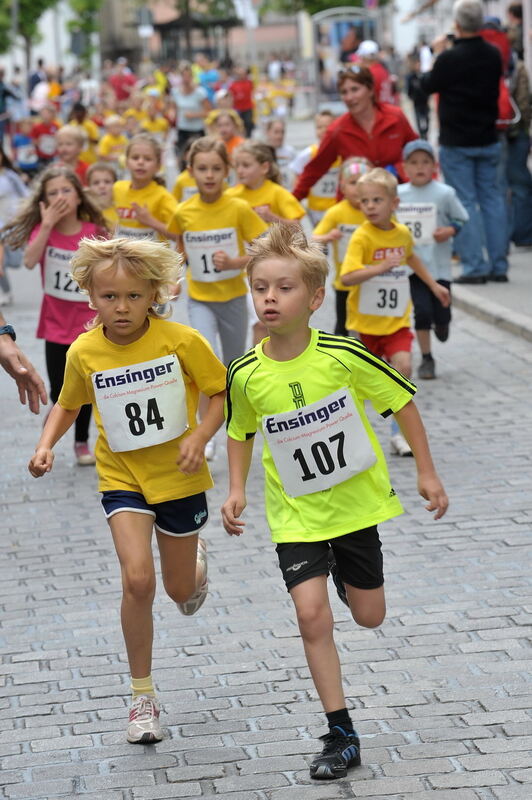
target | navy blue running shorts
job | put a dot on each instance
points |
(183, 517)
(358, 558)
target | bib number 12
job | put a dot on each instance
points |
(323, 458)
(137, 426)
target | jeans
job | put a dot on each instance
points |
(520, 183)
(472, 172)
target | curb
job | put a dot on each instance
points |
(494, 313)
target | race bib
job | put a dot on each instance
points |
(319, 445)
(420, 219)
(200, 247)
(136, 233)
(343, 243)
(326, 186)
(386, 295)
(57, 279)
(141, 405)
(26, 154)
(47, 144)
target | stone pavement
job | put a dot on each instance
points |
(440, 693)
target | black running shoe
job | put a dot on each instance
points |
(340, 751)
(338, 582)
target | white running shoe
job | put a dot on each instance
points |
(399, 446)
(144, 726)
(210, 450)
(196, 600)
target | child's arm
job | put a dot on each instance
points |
(222, 261)
(57, 424)
(436, 288)
(192, 447)
(145, 218)
(267, 215)
(361, 275)
(429, 485)
(333, 235)
(239, 455)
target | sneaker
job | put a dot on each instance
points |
(196, 600)
(338, 582)
(399, 446)
(427, 368)
(441, 332)
(84, 456)
(144, 726)
(210, 450)
(340, 751)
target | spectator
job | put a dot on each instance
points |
(467, 77)
(368, 56)
(517, 172)
(419, 98)
(37, 76)
(14, 362)
(514, 15)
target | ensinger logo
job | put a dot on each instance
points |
(206, 238)
(149, 374)
(63, 255)
(299, 420)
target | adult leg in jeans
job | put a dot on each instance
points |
(458, 168)
(492, 207)
(520, 181)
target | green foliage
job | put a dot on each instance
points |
(86, 23)
(5, 27)
(310, 6)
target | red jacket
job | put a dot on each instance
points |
(345, 138)
(242, 92)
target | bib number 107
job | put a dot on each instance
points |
(137, 426)
(324, 460)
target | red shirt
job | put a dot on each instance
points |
(242, 92)
(122, 83)
(44, 137)
(80, 169)
(382, 83)
(345, 138)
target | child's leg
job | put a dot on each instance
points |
(180, 569)
(367, 606)
(55, 355)
(132, 534)
(402, 362)
(232, 320)
(423, 340)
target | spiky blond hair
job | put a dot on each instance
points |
(289, 241)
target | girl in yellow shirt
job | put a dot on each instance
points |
(144, 206)
(338, 225)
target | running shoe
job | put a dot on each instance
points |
(196, 600)
(341, 750)
(427, 368)
(338, 582)
(144, 726)
(84, 456)
(399, 446)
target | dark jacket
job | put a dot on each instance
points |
(466, 78)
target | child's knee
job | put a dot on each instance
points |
(139, 584)
(314, 620)
(369, 618)
(181, 591)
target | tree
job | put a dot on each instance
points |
(83, 27)
(29, 14)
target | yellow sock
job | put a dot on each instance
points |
(142, 686)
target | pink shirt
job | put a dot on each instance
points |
(64, 311)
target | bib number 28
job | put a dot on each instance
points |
(137, 426)
(323, 458)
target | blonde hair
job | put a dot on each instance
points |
(382, 178)
(289, 242)
(208, 144)
(233, 115)
(113, 119)
(264, 154)
(75, 132)
(355, 166)
(151, 261)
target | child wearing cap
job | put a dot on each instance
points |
(434, 214)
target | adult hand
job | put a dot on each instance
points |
(30, 384)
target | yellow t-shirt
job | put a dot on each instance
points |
(381, 305)
(279, 200)
(152, 470)
(158, 126)
(114, 146)
(137, 113)
(184, 187)
(158, 200)
(323, 194)
(111, 217)
(346, 218)
(207, 228)
(89, 155)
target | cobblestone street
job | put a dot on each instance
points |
(440, 693)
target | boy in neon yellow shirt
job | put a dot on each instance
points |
(327, 485)
(376, 267)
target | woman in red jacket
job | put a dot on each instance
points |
(376, 131)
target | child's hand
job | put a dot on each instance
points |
(265, 213)
(51, 214)
(431, 488)
(41, 462)
(334, 235)
(390, 262)
(231, 511)
(443, 294)
(142, 214)
(191, 452)
(222, 261)
(443, 233)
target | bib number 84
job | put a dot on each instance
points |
(323, 458)
(137, 426)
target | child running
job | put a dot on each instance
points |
(433, 214)
(337, 227)
(143, 204)
(284, 153)
(185, 185)
(376, 269)
(323, 194)
(55, 218)
(327, 486)
(150, 449)
(71, 140)
(101, 178)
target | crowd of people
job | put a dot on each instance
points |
(113, 240)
